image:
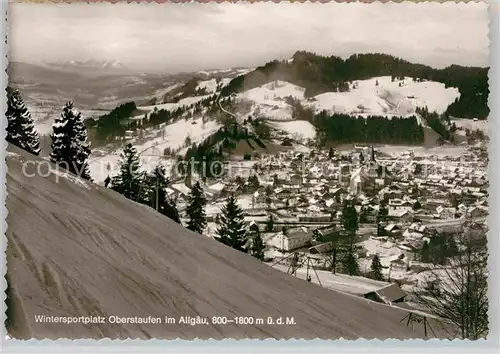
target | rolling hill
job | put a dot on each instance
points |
(321, 74)
(78, 249)
(376, 96)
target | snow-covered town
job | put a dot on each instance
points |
(292, 190)
(339, 182)
(291, 195)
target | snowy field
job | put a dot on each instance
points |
(234, 72)
(269, 101)
(274, 90)
(160, 94)
(381, 96)
(348, 284)
(471, 125)
(296, 128)
(173, 136)
(375, 96)
(173, 106)
(420, 151)
(209, 85)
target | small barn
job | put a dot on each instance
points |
(392, 293)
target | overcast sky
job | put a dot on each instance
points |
(175, 37)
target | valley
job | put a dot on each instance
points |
(296, 160)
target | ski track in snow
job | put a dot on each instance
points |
(70, 177)
(95, 253)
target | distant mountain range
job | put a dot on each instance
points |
(91, 63)
(94, 86)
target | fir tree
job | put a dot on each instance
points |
(253, 183)
(376, 268)
(331, 153)
(258, 247)
(20, 129)
(196, 209)
(129, 180)
(231, 231)
(156, 194)
(350, 263)
(350, 219)
(350, 223)
(425, 255)
(270, 224)
(70, 148)
(170, 210)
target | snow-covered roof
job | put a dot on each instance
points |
(217, 186)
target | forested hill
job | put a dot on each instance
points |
(319, 74)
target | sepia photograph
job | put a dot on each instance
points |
(247, 170)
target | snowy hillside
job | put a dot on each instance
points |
(173, 106)
(381, 96)
(471, 124)
(172, 136)
(375, 96)
(92, 252)
(232, 72)
(300, 129)
(209, 85)
(268, 100)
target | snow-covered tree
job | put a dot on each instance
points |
(129, 180)
(376, 268)
(20, 129)
(196, 209)
(231, 229)
(70, 147)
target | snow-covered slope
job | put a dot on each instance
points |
(375, 96)
(381, 96)
(91, 252)
(173, 106)
(209, 85)
(471, 124)
(300, 129)
(268, 100)
(172, 136)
